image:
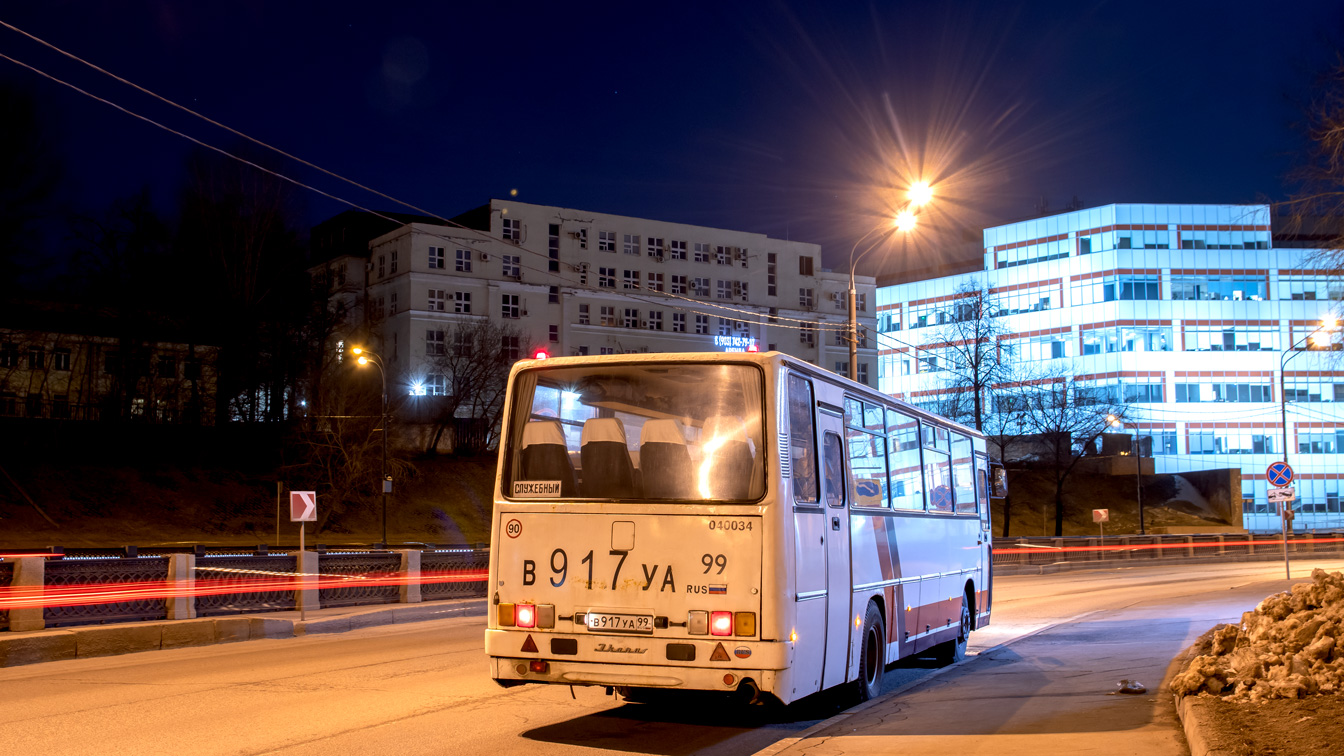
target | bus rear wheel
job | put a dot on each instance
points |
(954, 651)
(872, 655)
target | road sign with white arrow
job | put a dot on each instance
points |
(303, 506)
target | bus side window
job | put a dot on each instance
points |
(802, 440)
(833, 457)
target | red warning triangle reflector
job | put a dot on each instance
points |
(530, 646)
(720, 653)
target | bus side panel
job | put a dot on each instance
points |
(875, 568)
(923, 549)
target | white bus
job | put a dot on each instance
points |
(728, 522)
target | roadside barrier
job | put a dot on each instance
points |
(1043, 551)
(40, 590)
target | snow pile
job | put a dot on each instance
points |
(1290, 646)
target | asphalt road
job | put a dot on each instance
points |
(422, 688)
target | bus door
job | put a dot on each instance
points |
(985, 581)
(839, 588)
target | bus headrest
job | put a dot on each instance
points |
(539, 432)
(600, 429)
(662, 432)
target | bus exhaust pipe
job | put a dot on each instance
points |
(750, 693)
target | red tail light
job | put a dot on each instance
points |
(526, 615)
(721, 623)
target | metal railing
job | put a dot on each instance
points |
(442, 572)
(105, 572)
(6, 579)
(359, 567)
(244, 571)
(1044, 551)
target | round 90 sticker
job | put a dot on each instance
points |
(514, 528)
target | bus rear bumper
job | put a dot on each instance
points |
(509, 672)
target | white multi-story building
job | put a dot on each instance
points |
(575, 282)
(1184, 310)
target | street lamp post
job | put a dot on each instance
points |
(1134, 449)
(1327, 325)
(366, 357)
(920, 193)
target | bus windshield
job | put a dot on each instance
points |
(674, 432)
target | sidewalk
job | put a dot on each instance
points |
(124, 638)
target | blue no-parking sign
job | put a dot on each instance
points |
(1279, 474)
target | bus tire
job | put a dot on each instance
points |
(954, 651)
(872, 655)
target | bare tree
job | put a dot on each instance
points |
(1006, 428)
(473, 371)
(1315, 209)
(968, 345)
(1068, 416)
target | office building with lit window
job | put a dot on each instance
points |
(1183, 310)
(574, 282)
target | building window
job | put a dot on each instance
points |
(1223, 392)
(606, 241)
(509, 306)
(701, 252)
(1313, 390)
(702, 324)
(805, 297)
(553, 295)
(191, 369)
(1231, 339)
(167, 367)
(655, 247)
(679, 322)
(393, 268)
(863, 302)
(112, 363)
(512, 266)
(513, 229)
(863, 373)
(725, 329)
(807, 334)
(655, 320)
(60, 359)
(9, 356)
(1231, 441)
(631, 318)
(554, 334)
(630, 279)
(583, 314)
(1218, 289)
(842, 368)
(437, 300)
(631, 244)
(678, 284)
(771, 274)
(655, 281)
(700, 287)
(509, 346)
(805, 266)
(60, 406)
(553, 248)
(723, 255)
(583, 350)
(606, 350)
(392, 304)
(33, 407)
(36, 359)
(724, 289)
(382, 265)
(434, 342)
(462, 302)
(1310, 288)
(677, 249)
(582, 236)
(463, 261)
(1321, 442)
(436, 258)
(1126, 339)
(606, 278)
(436, 385)
(608, 314)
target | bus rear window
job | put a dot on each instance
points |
(645, 432)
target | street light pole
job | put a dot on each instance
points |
(904, 222)
(1327, 324)
(366, 357)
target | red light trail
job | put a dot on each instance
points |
(1150, 546)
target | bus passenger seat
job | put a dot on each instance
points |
(607, 471)
(728, 453)
(665, 461)
(545, 457)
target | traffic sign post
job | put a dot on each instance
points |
(302, 509)
(1280, 476)
(1101, 517)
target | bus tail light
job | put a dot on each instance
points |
(721, 623)
(745, 622)
(504, 616)
(545, 616)
(540, 667)
(697, 623)
(525, 615)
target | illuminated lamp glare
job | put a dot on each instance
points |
(417, 389)
(753, 348)
(356, 350)
(920, 193)
(721, 623)
(363, 360)
(905, 221)
(540, 354)
(526, 615)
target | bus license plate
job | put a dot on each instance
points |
(619, 623)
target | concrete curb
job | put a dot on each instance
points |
(107, 640)
(1194, 716)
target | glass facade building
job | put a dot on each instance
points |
(1185, 311)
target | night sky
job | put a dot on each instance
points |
(799, 120)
